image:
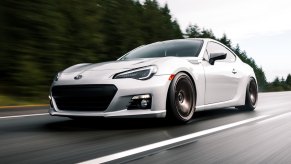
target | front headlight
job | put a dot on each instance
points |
(139, 73)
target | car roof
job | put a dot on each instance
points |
(204, 39)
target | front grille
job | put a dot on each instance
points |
(83, 97)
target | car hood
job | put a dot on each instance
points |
(111, 65)
(100, 72)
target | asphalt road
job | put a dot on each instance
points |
(218, 136)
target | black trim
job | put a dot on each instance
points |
(83, 97)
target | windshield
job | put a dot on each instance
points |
(180, 48)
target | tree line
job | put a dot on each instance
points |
(280, 84)
(40, 38)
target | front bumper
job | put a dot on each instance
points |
(157, 87)
(118, 114)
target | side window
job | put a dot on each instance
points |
(213, 47)
(230, 57)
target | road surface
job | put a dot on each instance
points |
(30, 135)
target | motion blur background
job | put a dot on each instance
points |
(40, 38)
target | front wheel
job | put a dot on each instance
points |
(251, 96)
(181, 99)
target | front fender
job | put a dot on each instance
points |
(174, 65)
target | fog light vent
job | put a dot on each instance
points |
(140, 102)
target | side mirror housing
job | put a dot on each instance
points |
(216, 56)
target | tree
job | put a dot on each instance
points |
(193, 31)
(226, 41)
(288, 80)
(205, 33)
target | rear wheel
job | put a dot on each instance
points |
(251, 96)
(181, 100)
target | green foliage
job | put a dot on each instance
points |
(288, 80)
(280, 84)
(16, 100)
(195, 31)
(40, 38)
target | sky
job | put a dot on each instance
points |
(261, 27)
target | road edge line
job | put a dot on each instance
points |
(26, 115)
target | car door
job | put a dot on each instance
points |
(221, 78)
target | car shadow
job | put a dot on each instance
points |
(87, 124)
(93, 124)
(216, 113)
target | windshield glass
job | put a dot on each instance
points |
(180, 48)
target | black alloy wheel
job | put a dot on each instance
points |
(181, 100)
(251, 96)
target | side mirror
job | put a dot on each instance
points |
(216, 56)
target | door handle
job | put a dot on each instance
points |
(234, 71)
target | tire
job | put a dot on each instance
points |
(181, 99)
(251, 96)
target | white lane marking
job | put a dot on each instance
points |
(168, 142)
(27, 115)
(274, 118)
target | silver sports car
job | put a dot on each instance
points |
(171, 79)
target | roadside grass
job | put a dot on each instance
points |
(15, 101)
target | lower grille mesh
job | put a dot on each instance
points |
(83, 97)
